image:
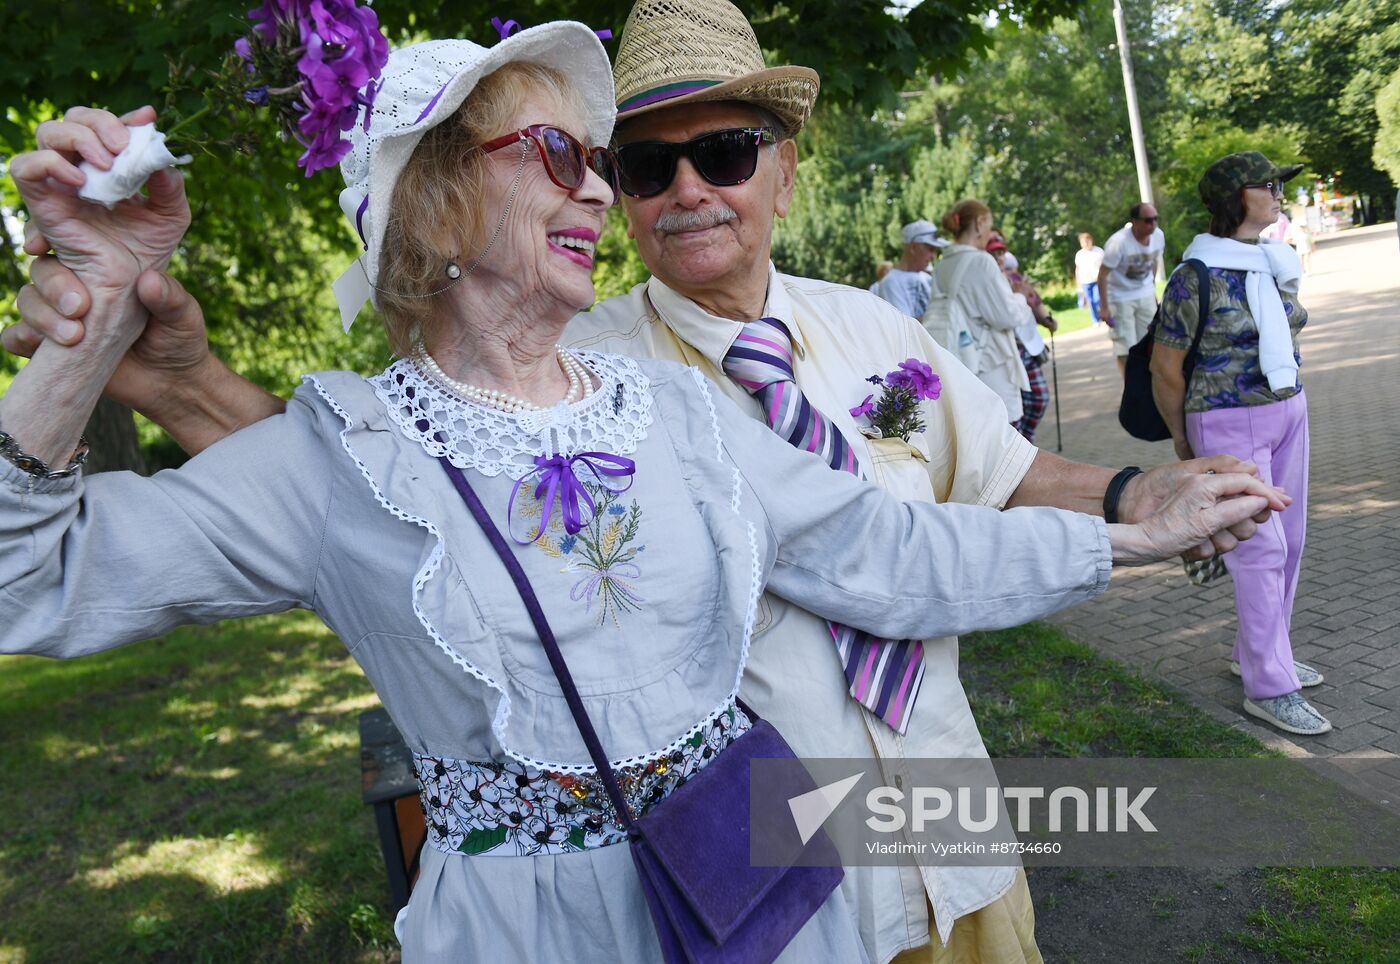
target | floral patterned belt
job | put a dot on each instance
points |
(508, 809)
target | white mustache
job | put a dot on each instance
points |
(706, 217)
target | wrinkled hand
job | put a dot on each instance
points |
(108, 250)
(1049, 323)
(1148, 492)
(1200, 510)
(171, 349)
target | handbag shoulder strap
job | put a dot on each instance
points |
(551, 645)
(1188, 364)
(1203, 300)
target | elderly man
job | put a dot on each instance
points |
(706, 151)
(907, 284)
(1128, 279)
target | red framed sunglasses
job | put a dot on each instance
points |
(566, 161)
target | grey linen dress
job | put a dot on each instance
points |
(339, 506)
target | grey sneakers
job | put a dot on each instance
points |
(1307, 676)
(1289, 712)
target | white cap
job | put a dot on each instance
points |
(422, 85)
(922, 232)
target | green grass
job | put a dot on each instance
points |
(1036, 692)
(190, 798)
(196, 797)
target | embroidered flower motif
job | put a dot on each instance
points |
(600, 554)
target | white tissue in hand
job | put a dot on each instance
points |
(142, 157)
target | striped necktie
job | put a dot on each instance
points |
(883, 675)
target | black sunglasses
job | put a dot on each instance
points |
(724, 158)
(1273, 187)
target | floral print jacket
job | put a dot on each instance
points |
(1227, 371)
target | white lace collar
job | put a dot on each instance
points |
(613, 419)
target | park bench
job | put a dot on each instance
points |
(389, 785)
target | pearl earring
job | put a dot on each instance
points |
(453, 271)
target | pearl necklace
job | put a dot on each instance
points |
(578, 374)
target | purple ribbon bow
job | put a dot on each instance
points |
(508, 27)
(558, 481)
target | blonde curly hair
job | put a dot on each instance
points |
(436, 213)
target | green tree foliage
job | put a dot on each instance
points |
(1387, 150)
(266, 241)
(1036, 125)
(1333, 59)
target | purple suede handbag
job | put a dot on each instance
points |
(691, 850)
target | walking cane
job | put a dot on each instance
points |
(1055, 389)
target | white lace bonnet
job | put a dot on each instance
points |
(423, 84)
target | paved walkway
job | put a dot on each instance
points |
(1347, 616)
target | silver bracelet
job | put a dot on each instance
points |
(37, 467)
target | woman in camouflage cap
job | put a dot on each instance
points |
(1245, 399)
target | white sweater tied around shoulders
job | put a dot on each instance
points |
(1272, 261)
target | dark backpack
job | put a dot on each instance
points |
(1137, 412)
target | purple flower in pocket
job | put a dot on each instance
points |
(864, 408)
(918, 377)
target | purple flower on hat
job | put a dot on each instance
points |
(324, 58)
(864, 408)
(325, 151)
(340, 80)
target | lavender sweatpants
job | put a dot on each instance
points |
(1264, 568)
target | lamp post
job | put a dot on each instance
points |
(1134, 120)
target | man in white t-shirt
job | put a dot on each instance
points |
(906, 285)
(1087, 261)
(1128, 279)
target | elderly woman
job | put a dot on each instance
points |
(984, 304)
(648, 514)
(1029, 344)
(1245, 398)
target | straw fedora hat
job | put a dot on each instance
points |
(685, 51)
